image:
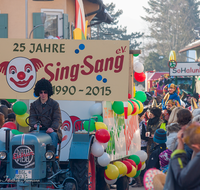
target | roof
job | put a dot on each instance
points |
(157, 75)
(193, 46)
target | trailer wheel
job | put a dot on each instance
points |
(69, 186)
(85, 173)
(123, 183)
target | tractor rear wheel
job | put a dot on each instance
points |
(84, 171)
(123, 183)
(69, 186)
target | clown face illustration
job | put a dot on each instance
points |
(20, 74)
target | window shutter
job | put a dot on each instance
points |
(3, 25)
(38, 33)
(66, 31)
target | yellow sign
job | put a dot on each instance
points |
(78, 69)
(172, 56)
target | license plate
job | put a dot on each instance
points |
(23, 174)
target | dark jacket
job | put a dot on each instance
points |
(185, 174)
(153, 161)
(50, 116)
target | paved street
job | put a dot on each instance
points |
(135, 188)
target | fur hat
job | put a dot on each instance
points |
(155, 111)
(165, 157)
(160, 136)
(43, 84)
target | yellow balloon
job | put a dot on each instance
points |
(21, 119)
(112, 171)
(130, 108)
(132, 173)
(100, 125)
(121, 167)
(141, 107)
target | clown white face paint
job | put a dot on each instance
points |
(21, 74)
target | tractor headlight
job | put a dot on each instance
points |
(49, 155)
(2, 155)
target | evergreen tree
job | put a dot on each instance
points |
(112, 31)
(171, 25)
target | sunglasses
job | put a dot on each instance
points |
(45, 92)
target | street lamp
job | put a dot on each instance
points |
(43, 18)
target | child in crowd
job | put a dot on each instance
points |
(164, 158)
(160, 137)
(181, 173)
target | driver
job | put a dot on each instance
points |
(48, 111)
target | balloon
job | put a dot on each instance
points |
(142, 155)
(128, 165)
(97, 149)
(3, 134)
(98, 117)
(143, 163)
(20, 108)
(104, 160)
(135, 158)
(130, 108)
(139, 166)
(112, 171)
(87, 123)
(110, 182)
(141, 96)
(141, 107)
(11, 100)
(106, 176)
(140, 77)
(135, 55)
(143, 166)
(16, 132)
(104, 145)
(137, 174)
(132, 162)
(10, 125)
(132, 173)
(129, 96)
(118, 107)
(121, 167)
(136, 101)
(102, 135)
(100, 125)
(21, 119)
(135, 107)
(96, 109)
(138, 67)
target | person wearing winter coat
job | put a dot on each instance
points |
(184, 175)
(172, 131)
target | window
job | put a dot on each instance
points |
(54, 22)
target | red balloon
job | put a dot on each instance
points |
(134, 107)
(132, 162)
(140, 77)
(128, 165)
(102, 135)
(10, 125)
(106, 176)
(129, 96)
(139, 166)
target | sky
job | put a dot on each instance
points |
(132, 10)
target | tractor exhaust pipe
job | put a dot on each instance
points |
(7, 139)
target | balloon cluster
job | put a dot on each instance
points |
(20, 109)
(138, 74)
(130, 167)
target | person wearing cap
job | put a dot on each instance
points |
(160, 137)
(11, 117)
(48, 111)
(164, 158)
(172, 91)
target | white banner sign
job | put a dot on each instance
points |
(185, 69)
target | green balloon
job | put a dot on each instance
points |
(16, 132)
(136, 102)
(92, 125)
(141, 96)
(19, 108)
(11, 100)
(98, 117)
(135, 158)
(135, 55)
(118, 107)
(137, 174)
